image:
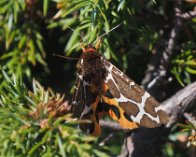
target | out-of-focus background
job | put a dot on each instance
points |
(155, 45)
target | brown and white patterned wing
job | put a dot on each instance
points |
(136, 104)
(84, 105)
(78, 96)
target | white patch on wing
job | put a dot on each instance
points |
(158, 108)
(142, 111)
(85, 83)
(81, 61)
(74, 103)
(80, 77)
(132, 83)
(86, 107)
(85, 111)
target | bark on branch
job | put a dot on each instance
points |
(178, 103)
(154, 76)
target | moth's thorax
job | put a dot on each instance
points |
(92, 67)
(90, 63)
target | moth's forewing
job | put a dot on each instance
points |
(136, 104)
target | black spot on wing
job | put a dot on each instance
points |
(91, 128)
(91, 112)
(127, 116)
(102, 107)
(115, 110)
(109, 94)
(97, 118)
(87, 78)
(90, 97)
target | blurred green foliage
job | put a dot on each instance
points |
(21, 42)
(38, 124)
(32, 30)
(184, 64)
(182, 139)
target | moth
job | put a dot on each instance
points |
(101, 88)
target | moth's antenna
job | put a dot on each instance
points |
(109, 31)
(77, 33)
(100, 37)
(65, 57)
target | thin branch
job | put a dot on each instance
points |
(107, 139)
(111, 125)
(168, 51)
(154, 77)
(189, 15)
(178, 103)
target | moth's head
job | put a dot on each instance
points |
(88, 49)
(91, 48)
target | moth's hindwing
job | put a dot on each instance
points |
(130, 105)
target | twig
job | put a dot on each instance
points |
(111, 125)
(189, 117)
(105, 140)
(189, 15)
